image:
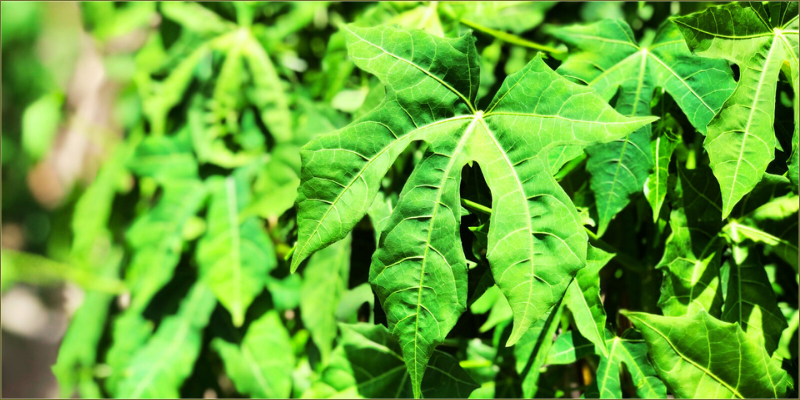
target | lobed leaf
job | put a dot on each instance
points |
(741, 139)
(161, 366)
(695, 357)
(751, 302)
(612, 63)
(325, 281)
(536, 242)
(367, 364)
(583, 299)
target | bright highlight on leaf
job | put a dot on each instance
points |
(613, 63)
(759, 39)
(536, 241)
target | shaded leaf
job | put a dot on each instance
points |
(261, 367)
(160, 367)
(367, 364)
(751, 302)
(325, 281)
(633, 353)
(532, 349)
(693, 250)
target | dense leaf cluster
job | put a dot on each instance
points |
(445, 200)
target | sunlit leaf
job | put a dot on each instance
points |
(741, 139)
(694, 356)
(341, 175)
(612, 63)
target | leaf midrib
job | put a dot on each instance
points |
(727, 205)
(689, 360)
(409, 135)
(233, 221)
(409, 62)
(490, 134)
(445, 175)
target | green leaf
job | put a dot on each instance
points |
(632, 353)
(421, 277)
(694, 356)
(751, 302)
(236, 254)
(267, 93)
(275, 188)
(367, 364)
(583, 298)
(41, 271)
(93, 209)
(668, 137)
(160, 367)
(157, 238)
(768, 215)
(160, 97)
(741, 139)
(612, 61)
(77, 354)
(514, 16)
(165, 158)
(693, 250)
(790, 333)
(532, 349)
(261, 367)
(570, 347)
(195, 18)
(325, 281)
(40, 122)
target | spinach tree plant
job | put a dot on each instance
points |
(444, 199)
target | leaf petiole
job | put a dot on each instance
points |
(509, 38)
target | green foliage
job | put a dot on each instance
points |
(397, 199)
(710, 367)
(741, 137)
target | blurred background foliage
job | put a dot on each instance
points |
(95, 94)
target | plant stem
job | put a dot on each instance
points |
(471, 205)
(509, 38)
(288, 255)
